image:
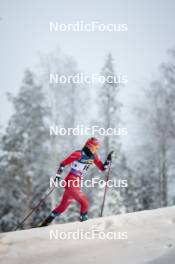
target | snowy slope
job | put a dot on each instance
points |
(150, 239)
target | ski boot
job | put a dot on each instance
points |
(83, 217)
(48, 220)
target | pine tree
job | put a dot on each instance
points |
(25, 160)
(157, 123)
(67, 103)
(109, 117)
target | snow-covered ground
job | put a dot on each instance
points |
(147, 237)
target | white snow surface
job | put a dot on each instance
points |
(150, 239)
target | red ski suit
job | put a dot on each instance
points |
(80, 162)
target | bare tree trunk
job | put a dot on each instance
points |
(164, 184)
(164, 177)
(29, 199)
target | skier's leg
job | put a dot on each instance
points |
(73, 193)
(65, 202)
(82, 199)
(78, 195)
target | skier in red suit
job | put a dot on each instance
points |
(80, 162)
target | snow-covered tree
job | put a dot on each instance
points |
(109, 109)
(67, 102)
(25, 159)
(157, 122)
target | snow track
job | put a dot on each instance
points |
(150, 239)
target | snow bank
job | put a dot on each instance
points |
(143, 237)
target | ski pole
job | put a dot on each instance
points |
(104, 196)
(47, 193)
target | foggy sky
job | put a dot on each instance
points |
(24, 29)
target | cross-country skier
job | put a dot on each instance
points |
(80, 162)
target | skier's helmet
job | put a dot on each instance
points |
(92, 144)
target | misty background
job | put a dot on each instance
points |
(29, 104)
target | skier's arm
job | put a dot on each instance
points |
(103, 166)
(99, 163)
(74, 156)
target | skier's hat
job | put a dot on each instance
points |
(92, 144)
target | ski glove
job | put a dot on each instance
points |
(109, 158)
(60, 170)
(57, 178)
